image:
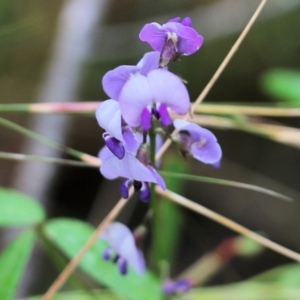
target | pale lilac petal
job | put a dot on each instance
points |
(176, 19)
(169, 89)
(153, 34)
(122, 241)
(204, 145)
(133, 256)
(193, 129)
(208, 151)
(158, 179)
(217, 164)
(187, 21)
(105, 153)
(130, 139)
(114, 80)
(149, 62)
(189, 40)
(108, 115)
(135, 96)
(174, 287)
(129, 167)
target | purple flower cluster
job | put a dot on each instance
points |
(141, 99)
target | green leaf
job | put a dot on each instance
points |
(70, 235)
(18, 209)
(83, 295)
(281, 283)
(287, 275)
(169, 213)
(282, 84)
(12, 264)
(246, 291)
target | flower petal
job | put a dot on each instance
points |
(130, 139)
(208, 151)
(164, 115)
(114, 145)
(154, 34)
(176, 19)
(189, 41)
(169, 89)
(204, 144)
(125, 188)
(135, 96)
(145, 193)
(108, 115)
(105, 153)
(122, 241)
(149, 62)
(129, 167)
(187, 21)
(114, 80)
(158, 179)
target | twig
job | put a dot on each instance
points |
(228, 223)
(24, 157)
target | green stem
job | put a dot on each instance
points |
(155, 210)
(46, 141)
(43, 159)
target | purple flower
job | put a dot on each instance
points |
(177, 287)
(122, 248)
(139, 173)
(144, 96)
(114, 80)
(118, 135)
(198, 142)
(172, 39)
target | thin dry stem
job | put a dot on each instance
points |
(231, 109)
(116, 210)
(64, 275)
(228, 223)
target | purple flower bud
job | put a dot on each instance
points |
(177, 287)
(122, 242)
(172, 39)
(122, 264)
(145, 193)
(198, 142)
(107, 254)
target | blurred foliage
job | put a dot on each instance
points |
(13, 261)
(282, 84)
(18, 209)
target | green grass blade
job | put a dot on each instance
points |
(225, 182)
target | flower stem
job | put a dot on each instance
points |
(155, 209)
